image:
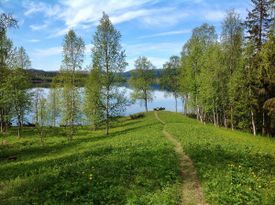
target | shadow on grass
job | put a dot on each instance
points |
(34, 153)
(105, 175)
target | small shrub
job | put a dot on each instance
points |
(136, 116)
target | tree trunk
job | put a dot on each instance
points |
(200, 114)
(214, 117)
(145, 101)
(217, 118)
(253, 123)
(176, 103)
(107, 127)
(2, 126)
(19, 126)
(107, 117)
(264, 124)
(2, 120)
(198, 109)
(185, 105)
(225, 121)
(231, 117)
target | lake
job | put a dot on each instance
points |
(160, 99)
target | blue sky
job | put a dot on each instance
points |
(153, 28)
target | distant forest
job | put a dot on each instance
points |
(41, 78)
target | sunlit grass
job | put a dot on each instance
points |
(134, 165)
(234, 167)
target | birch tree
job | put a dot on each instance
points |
(232, 39)
(109, 57)
(170, 77)
(141, 80)
(73, 55)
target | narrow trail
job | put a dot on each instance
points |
(191, 189)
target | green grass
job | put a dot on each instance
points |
(233, 167)
(133, 165)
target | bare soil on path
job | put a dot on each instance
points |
(191, 189)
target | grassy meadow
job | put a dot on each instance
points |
(233, 167)
(135, 164)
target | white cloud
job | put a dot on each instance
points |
(39, 27)
(82, 14)
(214, 15)
(34, 40)
(59, 32)
(85, 12)
(88, 48)
(52, 51)
(129, 16)
(47, 52)
(157, 61)
(156, 52)
(40, 7)
(168, 33)
(165, 17)
(143, 48)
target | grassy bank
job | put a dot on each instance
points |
(134, 165)
(233, 167)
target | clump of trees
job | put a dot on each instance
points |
(104, 102)
(230, 82)
(15, 99)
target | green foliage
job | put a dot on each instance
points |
(54, 102)
(109, 57)
(93, 99)
(258, 21)
(21, 59)
(127, 167)
(259, 28)
(18, 83)
(194, 62)
(232, 42)
(228, 82)
(170, 78)
(6, 21)
(233, 167)
(141, 80)
(73, 55)
(14, 82)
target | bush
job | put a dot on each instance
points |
(136, 116)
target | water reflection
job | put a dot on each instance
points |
(160, 99)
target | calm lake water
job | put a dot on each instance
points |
(160, 99)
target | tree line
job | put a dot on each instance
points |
(225, 79)
(103, 100)
(229, 80)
